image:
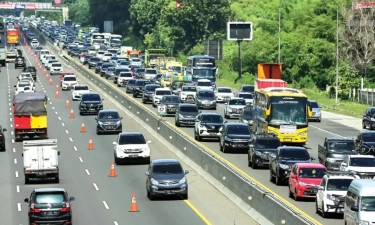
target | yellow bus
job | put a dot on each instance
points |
(283, 112)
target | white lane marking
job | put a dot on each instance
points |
(16, 173)
(59, 118)
(53, 108)
(49, 99)
(56, 112)
(80, 159)
(63, 124)
(329, 132)
(50, 103)
(75, 149)
(19, 207)
(13, 141)
(105, 205)
(71, 139)
(87, 171)
(95, 186)
(10, 119)
(18, 188)
(15, 161)
(14, 149)
(67, 131)
(10, 113)
(11, 125)
(11, 133)
(115, 223)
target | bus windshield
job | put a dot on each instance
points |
(203, 73)
(288, 110)
(98, 41)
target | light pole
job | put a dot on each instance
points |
(337, 53)
(279, 44)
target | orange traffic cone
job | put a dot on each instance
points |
(133, 204)
(112, 171)
(91, 144)
(83, 127)
(45, 71)
(50, 82)
(57, 95)
(47, 77)
(67, 104)
(71, 114)
(57, 87)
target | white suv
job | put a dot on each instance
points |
(331, 194)
(69, 82)
(204, 84)
(106, 57)
(158, 95)
(362, 165)
(56, 68)
(131, 146)
(123, 78)
(188, 93)
(223, 94)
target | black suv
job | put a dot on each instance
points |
(247, 116)
(91, 103)
(260, 149)
(75, 52)
(98, 66)
(93, 62)
(50, 205)
(283, 159)
(2, 139)
(87, 59)
(186, 114)
(104, 68)
(208, 125)
(130, 85)
(235, 136)
(108, 121)
(170, 102)
(20, 62)
(148, 93)
(365, 143)
(139, 87)
(32, 70)
(205, 99)
(369, 118)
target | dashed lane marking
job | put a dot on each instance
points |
(67, 131)
(87, 172)
(80, 159)
(105, 205)
(75, 149)
(16, 173)
(95, 186)
(63, 124)
(19, 207)
(18, 188)
(15, 161)
(71, 139)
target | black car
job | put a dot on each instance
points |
(148, 93)
(49, 205)
(139, 87)
(205, 99)
(260, 149)
(118, 71)
(104, 68)
(110, 72)
(138, 72)
(235, 136)
(98, 66)
(157, 79)
(365, 143)
(108, 121)
(71, 47)
(30, 69)
(247, 88)
(186, 114)
(283, 159)
(208, 125)
(93, 62)
(368, 121)
(2, 139)
(247, 116)
(20, 62)
(87, 59)
(130, 86)
(91, 103)
(83, 51)
(37, 49)
(170, 102)
(75, 52)
(19, 53)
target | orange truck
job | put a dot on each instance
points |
(133, 54)
(12, 37)
(269, 75)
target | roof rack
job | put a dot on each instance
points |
(340, 173)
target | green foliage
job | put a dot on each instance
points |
(79, 12)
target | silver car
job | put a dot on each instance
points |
(316, 112)
(234, 107)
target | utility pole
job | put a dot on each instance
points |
(239, 59)
(279, 45)
(337, 54)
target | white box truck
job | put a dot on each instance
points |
(40, 160)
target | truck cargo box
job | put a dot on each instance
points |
(269, 71)
(265, 83)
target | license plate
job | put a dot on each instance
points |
(190, 122)
(169, 192)
(212, 134)
(51, 213)
(133, 156)
(41, 173)
(207, 105)
(287, 139)
(172, 110)
(92, 109)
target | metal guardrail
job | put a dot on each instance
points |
(261, 200)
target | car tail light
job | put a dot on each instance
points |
(66, 208)
(32, 208)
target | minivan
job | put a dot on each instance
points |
(316, 112)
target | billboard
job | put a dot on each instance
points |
(363, 5)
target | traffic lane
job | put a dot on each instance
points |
(202, 194)
(333, 127)
(7, 188)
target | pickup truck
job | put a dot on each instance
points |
(11, 55)
(334, 151)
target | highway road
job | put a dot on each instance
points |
(84, 173)
(317, 133)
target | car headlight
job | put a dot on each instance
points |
(118, 122)
(181, 116)
(245, 121)
(183, 180)
(258, 153)
(221, 128)
(100, 123)
(362, 222)
(302, 184)
(228, 139)
(331, 197)
(212, 102)
(372, 119)
(153, 181)
(302, 133)
(330, 160)
(283, 166)
(229, 109)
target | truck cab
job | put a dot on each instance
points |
(334, 150)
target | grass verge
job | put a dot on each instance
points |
(133, 41)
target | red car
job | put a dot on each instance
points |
(304, 180)
(63, 74)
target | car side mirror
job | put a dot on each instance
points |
(312, 158)
(120, 118)
(321, 188)
(96, 119)
(115, 143)
(343, 164)
(72, 199)
(147, 173)
(354, 208)
(251, 146)
(102, 99)
(26, 200)
(4, 129)
(226, 103)
(15, 85)
(58, 152)
(186, 171)
(196, 120)
(148, 142)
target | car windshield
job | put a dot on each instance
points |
(206, 94)
(314, 105)
(248, 89)
(70, 79)
(109, 115)
(81, 88)
(192, 109)
(341, 146)
(114, 58)
(176, 69)
(163, 92)
(224, 90)
(126, 75)
(247, 115)
(189, 89)
(25, 75)
(362, 162)
(135, 139)
(368, 137)
(106, 66)
(246, 96)
(237, 102)
(212, 119)
(50, 197)
(142, 82)
(111, 68)
(152, 87)
(170, 168)
(23, 84)
(140, 70)
(297, 154)
(204, 84)
(94, 59)
(108, 54)
(91, 97)
(171, 99)
(150, 71)
(267, 144)
(124, 63)
(238, 129)
(99, 64)
(56, 65)
(338, 184)
(312, 173)
(167, 77)
(131, 82)
(136, 60)
(368, 204)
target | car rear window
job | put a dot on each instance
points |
(50, 197)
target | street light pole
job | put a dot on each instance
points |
(337, 54)
(279, 45)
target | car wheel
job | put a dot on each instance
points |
(134, 95)
(295, 196)
(253, 164)
(324, 214)
(363, 125)
(97, 131)
(290, 193)
(185, 197)
(224, 149)
(199, 138)
(272, 178)
(116, 160)
(316, 207)
(118, 85)
(148, 194)
(277, 180)
(143, 101)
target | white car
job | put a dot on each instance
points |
(56, 68)
(100, 54)
(208, 125)
(31, 80)
(249, 98)
(188, 93)
(43, 53)
(78, 90)
(362, 165)
(131, 146)
(69, 82)
(234, 107)
(136, 62)
(24, 75)
(46, 58)
(49, 63)
(158, 95)
(123, 78)
(223, 94)
(330, 198)
(34, 43)
(24, 86)
(106, 57)
(204, 84)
